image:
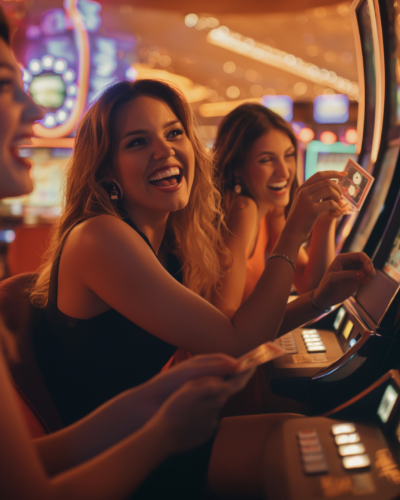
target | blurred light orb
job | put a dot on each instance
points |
(35, 66)
(60, 65)
(251, 75)
(351, 136)
(61, 115)
(72, 90)
(300, 88)
(69, 103)
(306, 135)
(26, 76)
(131, 74)
(48, 62)
(69, 75)
(49, 120)
(229, 67)
(328, 137)
(212, 22)
(233, 92)
(201, 24)
(164, 61)
(191, 20)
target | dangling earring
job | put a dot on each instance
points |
(237, 188)
(114, 189)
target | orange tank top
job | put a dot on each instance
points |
(256, 263)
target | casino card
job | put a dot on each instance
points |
(355, 187)
(260, 355)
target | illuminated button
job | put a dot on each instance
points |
(308, 433)
(310, 331)
(310, 450)
(356, 462)
(316, 348)
(312, 343)
(343, 429)
(311, 336)
(315, 457)
(316, 467)
(347, 438)
(351, 449)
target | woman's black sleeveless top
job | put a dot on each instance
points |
(85, 362)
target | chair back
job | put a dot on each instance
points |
(25, 253)
(20, 320)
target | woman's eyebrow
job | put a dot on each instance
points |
(143, 131)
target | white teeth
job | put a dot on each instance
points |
(162, 174)
(278, 184)
(21, 142)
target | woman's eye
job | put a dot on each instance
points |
(5, 85)
(290, 154)
(138, 141)
(175, 133)
(266, 159)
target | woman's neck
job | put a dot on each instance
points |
(151, 223)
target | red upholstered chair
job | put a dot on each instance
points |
(19, 319)
(25, 253)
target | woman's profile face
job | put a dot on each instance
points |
(270, 168)
(154, 159)
(17, 112)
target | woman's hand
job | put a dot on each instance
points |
(317, 195)
(191, 414)
(160, 387)
(343, 278)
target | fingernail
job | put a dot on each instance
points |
(343, 173)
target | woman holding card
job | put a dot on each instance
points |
(139, 177)
(256, 159)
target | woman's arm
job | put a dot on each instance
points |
(311, 265)
(186, 419)
(242, 225)
(104, 257)
(124, 414)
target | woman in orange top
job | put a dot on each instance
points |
(256, 159)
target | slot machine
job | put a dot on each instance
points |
(378, 49)
(325, 367)
(351, 452)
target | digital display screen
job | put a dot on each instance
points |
(387, 403)
(47, 175)
(321, 157)
(392, 264)
(281, 104)
(331, 108)
(339, 316)
(376, 200)
(48, 90)
(347, 329)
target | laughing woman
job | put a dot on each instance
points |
(139, 178)
(108, 454)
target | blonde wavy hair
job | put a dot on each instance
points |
(194, 234)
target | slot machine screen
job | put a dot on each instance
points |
(48, 90)
(347, 329)
(376, 199)
(321, 157)
(387, 403)
(392, 263)
(339, 317)
(47, 174)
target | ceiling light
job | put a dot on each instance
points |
(229, 67)
(214, 109)
(237, 43)
(233, 92)
(191, 20)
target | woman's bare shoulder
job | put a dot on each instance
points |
(243, 213)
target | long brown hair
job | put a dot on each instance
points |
(193, 233)
(236, 135)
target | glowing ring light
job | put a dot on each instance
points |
(79, 104)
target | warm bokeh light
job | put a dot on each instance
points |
(229, 67)
(351, 136)
(306, 135)
(328, 137)
(233, 92)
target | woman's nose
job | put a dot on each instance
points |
(281, 168)
(163, 150)
(32, 112)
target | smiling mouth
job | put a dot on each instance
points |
(166, 178)
(278, 186)
(15, 150)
